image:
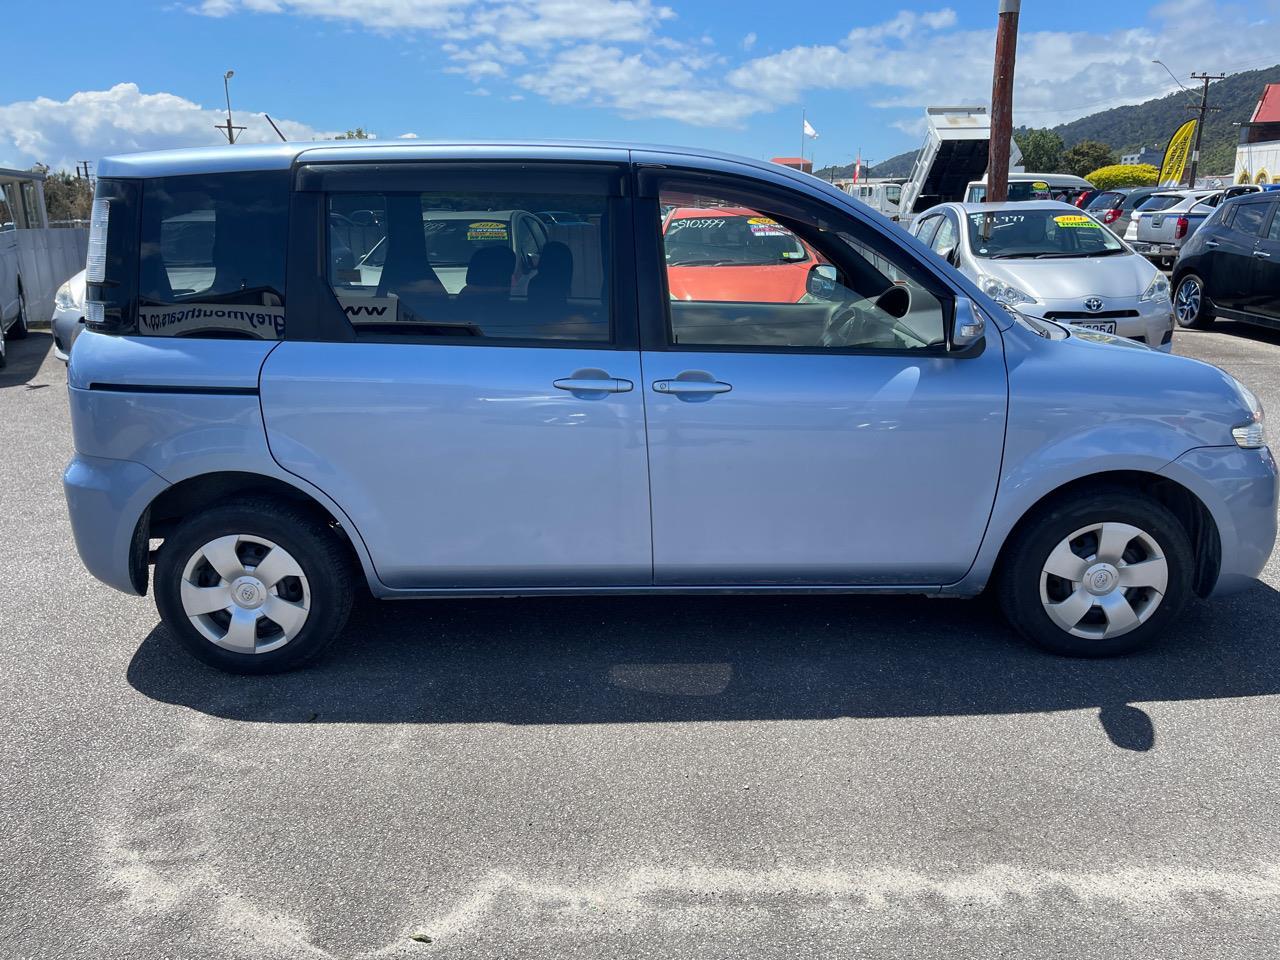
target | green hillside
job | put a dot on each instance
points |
(1126, 129)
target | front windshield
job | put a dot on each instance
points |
(734, 240)
(1039, 234)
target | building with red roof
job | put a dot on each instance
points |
(1258, 153)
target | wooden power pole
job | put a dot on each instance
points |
(1203, 109)
(1002, 102)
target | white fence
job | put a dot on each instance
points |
(43, 259)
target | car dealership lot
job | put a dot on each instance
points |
(709, 777)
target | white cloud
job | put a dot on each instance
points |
(628, 55)
(123, 119)
(407, 136)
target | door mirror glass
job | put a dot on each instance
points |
(824, 281)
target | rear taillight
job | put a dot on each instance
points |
(1111, 216)
(1080, 200)
(1180, 228)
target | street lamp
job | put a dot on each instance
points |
(230, 130)
(1172, 74)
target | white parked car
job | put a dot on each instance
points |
(68, 315)
(1050, 260)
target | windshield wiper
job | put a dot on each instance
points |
(1012, 256)
(1068, 256)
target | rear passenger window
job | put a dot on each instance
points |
(1249, 217)
(474, 264)
(212, 256)
(1274, 232)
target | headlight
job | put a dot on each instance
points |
(1158, 289)
(1252, 434)
(1002, 292)
(63, 300)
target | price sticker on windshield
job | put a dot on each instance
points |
(764, 227)
(487, 230)
(1076, 220)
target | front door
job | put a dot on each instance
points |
(482, 424)
(807, 424)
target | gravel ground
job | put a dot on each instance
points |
(624, 778)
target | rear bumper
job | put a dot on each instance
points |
(1240, 489)
(106, 499)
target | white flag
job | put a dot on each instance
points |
(809, 131)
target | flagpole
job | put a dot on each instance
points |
(803, 120)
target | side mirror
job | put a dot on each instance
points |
(823, 280)
(969, 326)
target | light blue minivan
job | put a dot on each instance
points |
(310, 369)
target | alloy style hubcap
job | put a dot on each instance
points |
(245, 594)
(1104, 580)
(1188, 300)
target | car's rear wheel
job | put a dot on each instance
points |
(1190, 305)
(1102, 573)
(255, 586)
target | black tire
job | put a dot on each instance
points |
(319, 551)
(1025, 557)
(1200, 318)
(19, 330)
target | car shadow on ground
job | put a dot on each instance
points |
(24, 359)
(678, 659)
(1246, 331)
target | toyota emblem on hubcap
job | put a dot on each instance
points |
(1093, 304)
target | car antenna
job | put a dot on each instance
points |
(275, 128)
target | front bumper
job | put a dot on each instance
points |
(1149, 322)
(1240, 488)
(106, 499)
(66, 325)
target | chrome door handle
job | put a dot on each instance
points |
(1213, 243)
(593, 385)
(694, 387)
(1262, 253)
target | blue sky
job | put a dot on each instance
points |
(728, 75)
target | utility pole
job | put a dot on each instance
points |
(1002, 102)
(229, 129)
(1202, 109)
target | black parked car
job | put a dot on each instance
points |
(1230, 267)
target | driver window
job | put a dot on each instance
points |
(740, 274)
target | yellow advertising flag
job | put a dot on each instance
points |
(1176, 154)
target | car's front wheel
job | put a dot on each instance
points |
(20, 329)
(255, 586)
(1101, 573)
(1190, 306)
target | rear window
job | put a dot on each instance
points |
(1158, 201)
(1106, 201)
(211, 260)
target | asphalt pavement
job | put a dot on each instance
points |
(624, 778)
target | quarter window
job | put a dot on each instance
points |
(212, 261)
(749, 275)
(475, 264)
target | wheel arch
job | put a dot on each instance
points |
(205, 490)
(1195, 517)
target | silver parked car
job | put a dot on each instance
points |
(1161, 223)
(68, 315)
(1052, 261)
(651, 411)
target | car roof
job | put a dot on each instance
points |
(281, 156)
(1015, 205)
